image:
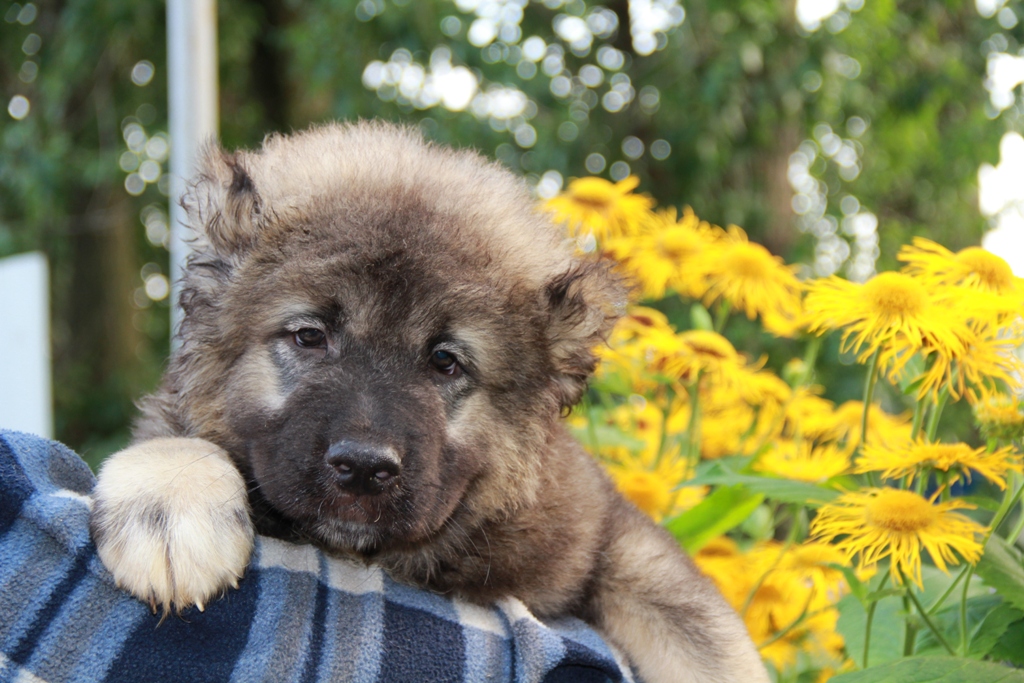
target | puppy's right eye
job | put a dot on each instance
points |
(310, 338)
(446, 363)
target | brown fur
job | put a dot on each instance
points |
(400, 254)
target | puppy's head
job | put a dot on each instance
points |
(381, 331)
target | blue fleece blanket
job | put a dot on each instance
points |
(298, 615)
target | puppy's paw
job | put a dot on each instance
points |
(171, 521)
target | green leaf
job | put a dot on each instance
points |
(1010, 647)
(992, 629)
(910, 379)
(1001, 568)
(724, 509)
(700, 319)
(934, 670)
(983, 502)
(613, 383)
(980, 609)
(782, 490)
(886, 629)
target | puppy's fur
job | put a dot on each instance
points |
(379, 338)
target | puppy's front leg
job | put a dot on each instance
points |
(674, 625)
(171, 521)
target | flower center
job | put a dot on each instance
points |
(748, 261)
(944, 455)
(709, 345)
(900, 511)
(993, 271)
(678, 244)
(594, 193)
(895, 294)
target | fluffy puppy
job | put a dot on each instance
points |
(379, 339)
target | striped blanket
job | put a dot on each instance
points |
(298, 615)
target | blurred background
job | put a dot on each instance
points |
(830, 130)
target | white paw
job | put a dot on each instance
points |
(171, 521)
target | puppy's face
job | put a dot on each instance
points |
(381, 353)
(380, 381)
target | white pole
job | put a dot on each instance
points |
(193, 114)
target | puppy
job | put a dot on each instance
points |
(379, 339)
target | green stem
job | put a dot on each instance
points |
(1009, 501)
(722, 315)
(915, 431)
(867, 632)
(1018, 528)
(963, 612)
(804, 615)
(790, 538)
(666, 408)
(871, 618)
(949, 590)
(869, 394)
(933, 419)
(910, 631)
(693, 429)
(924, 614)
(810, 360)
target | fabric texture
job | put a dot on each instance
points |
(297, 616)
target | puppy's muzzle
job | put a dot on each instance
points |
(363, 469)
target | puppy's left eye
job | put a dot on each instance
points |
(310, 338)
(445, 362)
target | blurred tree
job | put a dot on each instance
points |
(831, 138)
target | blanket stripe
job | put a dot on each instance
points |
(298, 616)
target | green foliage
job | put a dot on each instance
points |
(1002, 569)
(934, 670)
(720, 512)
(886, 631)
(782, 490)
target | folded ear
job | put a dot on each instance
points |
(583, 303)
(222, 201)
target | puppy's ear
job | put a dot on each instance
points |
(583, 304)
(222, 202)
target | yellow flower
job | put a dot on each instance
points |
(988, 354)
(641, 419)
(803, 462)
(891, 312)
(656, 490)
(794, 594)
(972, 267)
(705, 353)
(957, 458)
(878, 523)
(1000, 416)
(810, 562)
(720, 559)
(812, 417)
(667, 254)
(598, 207)
(764, 388)
(722, 428)
(884, 429)
(638, 346)
(751, 279)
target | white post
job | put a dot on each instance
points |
(26, 402)
(193, 113)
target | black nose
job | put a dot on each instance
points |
(361, 468)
